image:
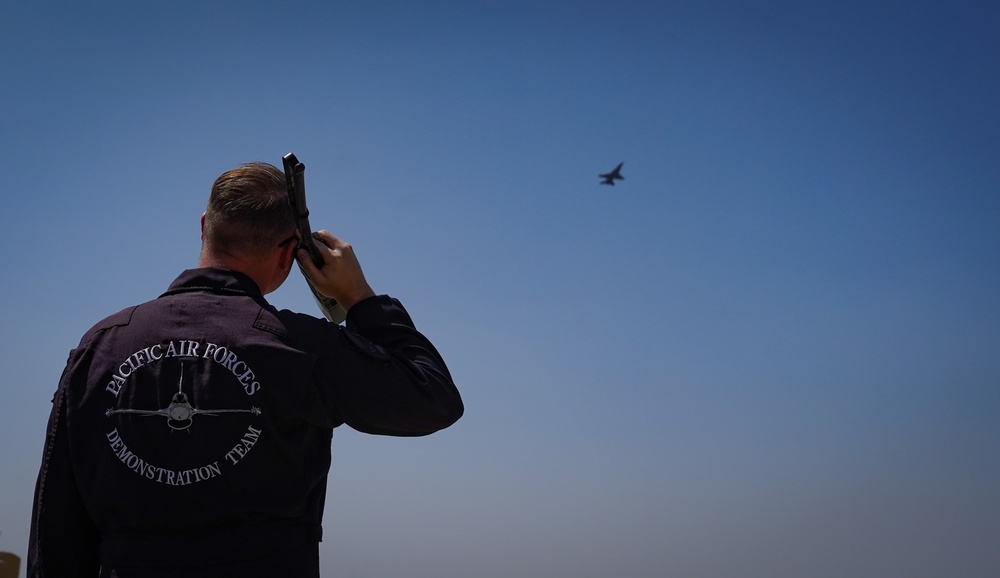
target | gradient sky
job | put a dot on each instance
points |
(773, 350)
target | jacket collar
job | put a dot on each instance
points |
(214, 280)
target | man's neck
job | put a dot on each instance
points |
(233, 263)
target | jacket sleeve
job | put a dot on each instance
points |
(393, 381)
(64, 541)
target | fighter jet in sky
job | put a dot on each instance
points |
(609, 178)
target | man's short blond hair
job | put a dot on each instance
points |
(248, 211)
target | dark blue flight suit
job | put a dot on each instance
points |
(190, 435)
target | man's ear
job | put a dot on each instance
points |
(203, 226)
(287, 256)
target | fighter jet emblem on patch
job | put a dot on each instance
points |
(180, 413)
(213, 448)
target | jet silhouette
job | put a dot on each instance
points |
(609, 178)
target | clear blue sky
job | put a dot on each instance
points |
(773, 350)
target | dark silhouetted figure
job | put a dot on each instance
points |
(243, 487)
(609, 178)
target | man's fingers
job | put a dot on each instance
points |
(327, 238)
(323, 246)
(306, 262)
(339, 249)
(340, 277)
(326, 245)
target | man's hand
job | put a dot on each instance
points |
(341, 277)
